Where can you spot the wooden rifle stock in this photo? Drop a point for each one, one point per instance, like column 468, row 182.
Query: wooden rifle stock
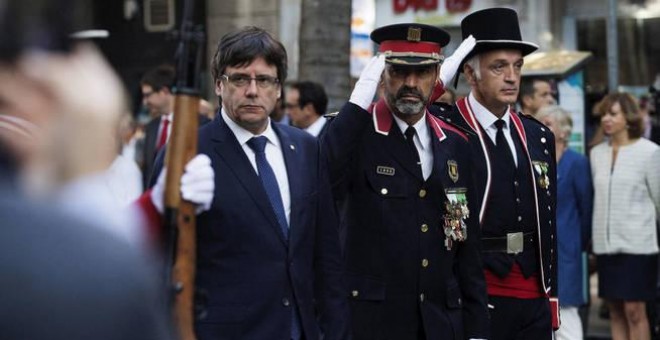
column 180, row 214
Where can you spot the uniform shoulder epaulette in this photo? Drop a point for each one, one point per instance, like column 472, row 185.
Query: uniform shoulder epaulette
column 531, row 118
column 440, row 108
column 449, row 122
column 331, row 115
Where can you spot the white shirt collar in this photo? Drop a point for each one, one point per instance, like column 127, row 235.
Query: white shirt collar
column 421, row 128
column 243, row 135
column 316, row 127
column 168, row 116
column 486, row 118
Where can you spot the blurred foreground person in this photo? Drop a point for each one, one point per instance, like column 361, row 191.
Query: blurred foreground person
column 626, row 205
column 63, row 277
column 574, row 208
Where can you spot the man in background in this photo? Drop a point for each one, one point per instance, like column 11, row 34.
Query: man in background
column 157, row 87
column 534, row 94
column 306, row 103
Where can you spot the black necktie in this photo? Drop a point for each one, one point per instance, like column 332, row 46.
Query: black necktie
column 501, row 145
column 410, row 141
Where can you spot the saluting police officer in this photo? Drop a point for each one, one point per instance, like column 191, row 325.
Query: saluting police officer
column 403, row 180
column 514, row 163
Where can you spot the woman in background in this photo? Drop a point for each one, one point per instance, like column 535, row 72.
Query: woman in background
column 626, row 175
column 574, row 208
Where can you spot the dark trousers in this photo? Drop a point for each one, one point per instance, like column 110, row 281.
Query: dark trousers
column 519, row 319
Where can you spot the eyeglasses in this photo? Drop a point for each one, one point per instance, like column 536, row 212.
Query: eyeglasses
column 290, row 106
column 242, row 80
column 146, row 95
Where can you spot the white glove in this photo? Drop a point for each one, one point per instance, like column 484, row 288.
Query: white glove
column 450, row 65
column 367, row 84
column 197, row 184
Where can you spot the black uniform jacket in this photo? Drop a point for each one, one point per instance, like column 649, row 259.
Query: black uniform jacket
column 402, row 278
column 538, row 144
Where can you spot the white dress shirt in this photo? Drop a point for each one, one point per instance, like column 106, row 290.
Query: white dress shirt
column 487, row 120
column 316, row 127
column 422, row 141
column 274, row 156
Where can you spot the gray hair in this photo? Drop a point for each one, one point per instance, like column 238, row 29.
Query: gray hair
column 561, row 117
column 474, row 64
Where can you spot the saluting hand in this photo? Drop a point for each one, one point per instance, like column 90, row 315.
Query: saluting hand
column 367, row 84
column 450, row 65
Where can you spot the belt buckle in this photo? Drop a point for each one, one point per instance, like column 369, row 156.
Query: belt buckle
column 514, row 243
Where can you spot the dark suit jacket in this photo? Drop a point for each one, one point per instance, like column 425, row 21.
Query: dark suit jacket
column 401, row 277
column 149, row 151
column 539, row 145
column 249, row 271
column 64, row 279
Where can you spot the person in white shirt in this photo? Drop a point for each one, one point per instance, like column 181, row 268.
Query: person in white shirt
column 626, row 204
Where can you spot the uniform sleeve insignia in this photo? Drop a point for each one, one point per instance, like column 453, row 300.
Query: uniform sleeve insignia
column 541, row 169
column 452, row 169
column 456, row 211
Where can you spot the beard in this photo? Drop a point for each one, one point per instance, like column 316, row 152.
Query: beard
column 404, row 106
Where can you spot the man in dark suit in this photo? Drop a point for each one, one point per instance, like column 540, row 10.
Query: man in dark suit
column 306, row 103
column 157, row 96
column 514, row 165
column 409, row 210
column 156, row 86
column 268, row 256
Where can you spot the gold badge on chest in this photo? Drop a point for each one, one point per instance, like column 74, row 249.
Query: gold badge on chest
column 541, row 169
column 452, row 169
column 456, row 211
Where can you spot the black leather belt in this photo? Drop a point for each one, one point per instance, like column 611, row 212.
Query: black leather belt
column 512, row 243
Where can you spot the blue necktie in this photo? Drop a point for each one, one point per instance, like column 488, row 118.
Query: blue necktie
column 269, row 181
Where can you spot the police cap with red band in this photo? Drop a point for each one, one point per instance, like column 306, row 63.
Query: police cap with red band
column 411, row 44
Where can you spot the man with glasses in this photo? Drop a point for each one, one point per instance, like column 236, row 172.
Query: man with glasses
column 157, row 96
column 402, row 178
column 269, row 261
column 306, row 103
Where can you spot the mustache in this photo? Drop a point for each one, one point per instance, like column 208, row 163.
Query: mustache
column 409, row 91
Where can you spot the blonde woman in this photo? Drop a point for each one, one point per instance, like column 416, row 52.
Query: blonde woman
column 625, row 169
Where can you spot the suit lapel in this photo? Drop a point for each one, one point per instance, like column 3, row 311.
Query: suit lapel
column 227, row 148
